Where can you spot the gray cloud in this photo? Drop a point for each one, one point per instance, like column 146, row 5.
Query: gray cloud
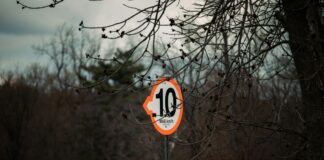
column 14, row 20
column 19, row 29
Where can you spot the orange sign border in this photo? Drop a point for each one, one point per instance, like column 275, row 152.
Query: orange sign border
column 150, row 98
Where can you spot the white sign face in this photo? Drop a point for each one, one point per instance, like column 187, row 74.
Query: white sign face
column 165, row 106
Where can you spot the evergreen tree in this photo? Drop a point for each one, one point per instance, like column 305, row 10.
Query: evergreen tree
column 115, row 74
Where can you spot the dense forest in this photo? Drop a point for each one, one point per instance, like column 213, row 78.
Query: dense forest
column 45, row 114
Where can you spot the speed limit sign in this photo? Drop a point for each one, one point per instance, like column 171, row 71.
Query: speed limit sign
column 165, row 106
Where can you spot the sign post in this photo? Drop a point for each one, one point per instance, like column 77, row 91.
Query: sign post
column 166, row 147
column 165, row 108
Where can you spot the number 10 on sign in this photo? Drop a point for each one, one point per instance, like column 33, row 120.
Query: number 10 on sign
column 165, row 106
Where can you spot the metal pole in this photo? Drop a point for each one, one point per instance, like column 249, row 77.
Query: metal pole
column 166, row 148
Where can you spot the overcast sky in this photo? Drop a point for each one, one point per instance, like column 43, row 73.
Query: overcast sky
column 20, row 29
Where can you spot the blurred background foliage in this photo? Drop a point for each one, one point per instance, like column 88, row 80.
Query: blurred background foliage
column 61, row 111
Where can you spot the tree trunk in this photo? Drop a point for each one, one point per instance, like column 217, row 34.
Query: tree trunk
column 306, row 36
